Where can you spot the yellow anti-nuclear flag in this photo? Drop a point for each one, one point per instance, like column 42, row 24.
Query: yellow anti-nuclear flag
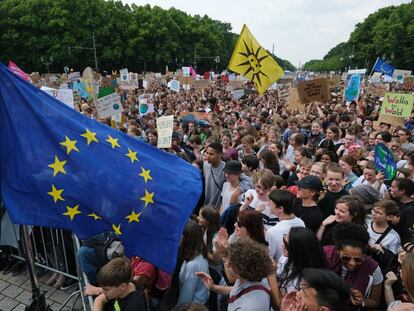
column 254, row 62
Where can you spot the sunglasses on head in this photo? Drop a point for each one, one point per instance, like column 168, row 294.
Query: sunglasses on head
column 346, row 259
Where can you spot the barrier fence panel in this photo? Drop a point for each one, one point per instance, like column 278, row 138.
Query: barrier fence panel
column 55, row 250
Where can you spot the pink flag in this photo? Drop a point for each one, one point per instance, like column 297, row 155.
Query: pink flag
column 17, row 71
column 192, row 72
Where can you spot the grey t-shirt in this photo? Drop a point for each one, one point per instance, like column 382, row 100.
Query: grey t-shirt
column 213, row 183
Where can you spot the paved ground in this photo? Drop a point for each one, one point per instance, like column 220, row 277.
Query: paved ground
column 15, row 293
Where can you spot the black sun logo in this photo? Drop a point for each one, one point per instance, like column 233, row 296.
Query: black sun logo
column 253, row 61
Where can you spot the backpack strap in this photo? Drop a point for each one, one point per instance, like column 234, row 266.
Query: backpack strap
column 383, row 235
column 247, row 290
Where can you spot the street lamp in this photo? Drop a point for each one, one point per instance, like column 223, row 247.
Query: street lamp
column 46, row 62
column 87, row 48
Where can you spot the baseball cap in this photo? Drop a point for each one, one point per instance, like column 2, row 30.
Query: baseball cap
column 310, row 182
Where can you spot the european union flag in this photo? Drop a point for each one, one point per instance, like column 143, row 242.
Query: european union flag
column 382, row 66
column 60, row 169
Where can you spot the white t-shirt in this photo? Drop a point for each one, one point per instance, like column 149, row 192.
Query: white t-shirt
column 281, row 274
column 274, row 236
column 269, row 219
column 362, row 181
column 226, row 193
column 391, row 241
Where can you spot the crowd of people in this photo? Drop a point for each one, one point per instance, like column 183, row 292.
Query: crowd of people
column 294, row 214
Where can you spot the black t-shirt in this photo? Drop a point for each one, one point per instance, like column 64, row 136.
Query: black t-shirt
column 311, row 215
column 403, row 206
column 134, row 301
column 405, row 228
column 327, row 203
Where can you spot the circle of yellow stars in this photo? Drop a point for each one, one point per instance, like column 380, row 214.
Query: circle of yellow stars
column 58, row 166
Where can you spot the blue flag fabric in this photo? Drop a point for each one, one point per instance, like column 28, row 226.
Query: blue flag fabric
column 383, row 67
column 63, row 170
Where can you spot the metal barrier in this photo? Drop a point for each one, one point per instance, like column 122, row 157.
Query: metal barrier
column 55, row 250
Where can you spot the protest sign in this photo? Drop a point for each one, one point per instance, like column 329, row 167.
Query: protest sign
column 186, row 71
column 196, row 116
column 237, row 94
column 201, row 84
column 164, row 130
column 385, row 162
column 352, row 89
column 376, row 77
column 175, row 85
column 399, row 75
column 409, row 83
column 236, row 84
column 186, row 80
column 334, row 81
column 63, row 95
column 397, row 105
column 391, row 120
column 378, row 90
column 124, row 74
column 294, row 102
column 145, row 106
column 128, row 85
column 229, row 88
column 314, row 90
column 108, row 106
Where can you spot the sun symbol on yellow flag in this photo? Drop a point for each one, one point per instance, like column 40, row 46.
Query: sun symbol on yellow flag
column 254, row 62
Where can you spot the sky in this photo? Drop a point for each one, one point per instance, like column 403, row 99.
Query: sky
column 300, row 30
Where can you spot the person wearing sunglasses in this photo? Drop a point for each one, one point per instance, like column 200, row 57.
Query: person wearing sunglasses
column 347, row 259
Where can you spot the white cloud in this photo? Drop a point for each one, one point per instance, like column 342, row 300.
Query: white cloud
column 300, row 29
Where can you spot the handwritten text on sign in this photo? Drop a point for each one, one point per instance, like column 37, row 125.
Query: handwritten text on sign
column 164, row 130
column 311, row 90
column 397, row 105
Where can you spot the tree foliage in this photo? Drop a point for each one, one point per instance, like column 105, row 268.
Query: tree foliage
column 387, row 33
column 137, row 37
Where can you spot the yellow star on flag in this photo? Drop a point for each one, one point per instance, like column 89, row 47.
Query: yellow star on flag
column 90, row 136
column 132, row 155
column 117, row 229
column 56, row 194
column 70, row 145
column 254, row 62
column 71, row 212
column 148, row 197
column 113, row 142
column 58, row 166
column 94, row 216
column 133, row 217
column 145, row 174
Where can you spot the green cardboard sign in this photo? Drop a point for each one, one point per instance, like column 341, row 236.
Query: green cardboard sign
column 397, row 105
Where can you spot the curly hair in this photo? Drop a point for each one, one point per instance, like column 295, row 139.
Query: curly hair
column 350, row 234
column 249, row 259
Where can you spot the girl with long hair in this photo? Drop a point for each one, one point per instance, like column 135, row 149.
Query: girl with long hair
column 301, row 249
